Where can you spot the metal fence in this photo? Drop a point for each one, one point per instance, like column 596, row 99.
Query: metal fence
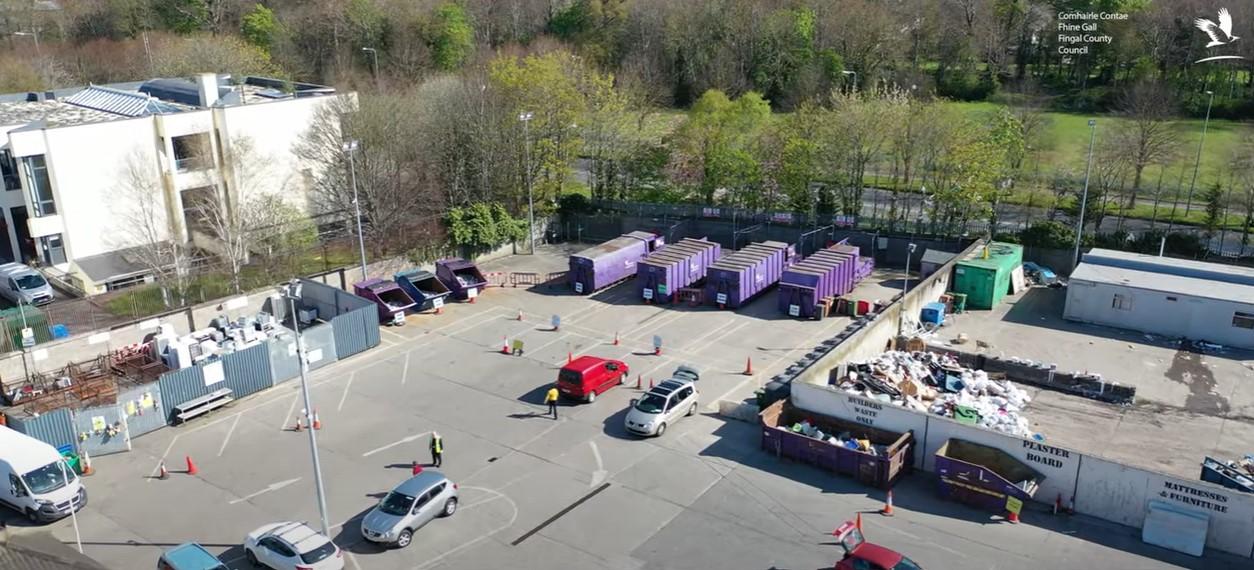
column 101, row 430
column 247, row 371
column 356, row 331
column 55, row 428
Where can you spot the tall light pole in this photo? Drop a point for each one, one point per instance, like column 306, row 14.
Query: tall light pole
column 374, row 67
column 531, row 210
column 1188, row 203
column 349, row 148
column 32, row 34
column 292, row 292
column 1084, row 197
column 905, row 286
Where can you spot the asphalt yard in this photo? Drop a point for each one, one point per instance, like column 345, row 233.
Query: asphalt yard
column 538, row 493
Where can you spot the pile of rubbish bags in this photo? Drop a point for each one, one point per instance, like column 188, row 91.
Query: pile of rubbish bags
column 935, row 383
column 844, row 439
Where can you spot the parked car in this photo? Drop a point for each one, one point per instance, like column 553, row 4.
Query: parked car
column 292, row 546
column 587, row 377
column 662, row 405
column 862, row 555
column 34, row 479
column 189, row 556
column 22, row 285
column 408, row 507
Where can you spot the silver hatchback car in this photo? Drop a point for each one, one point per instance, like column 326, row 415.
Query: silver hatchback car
column 662, row 405
column 408, row 507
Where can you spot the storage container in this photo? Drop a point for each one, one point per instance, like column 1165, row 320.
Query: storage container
column 462, row 278
column 893, row 458
column 599, row 267
column 736, row 278
column 674, row 266
column 982, row 476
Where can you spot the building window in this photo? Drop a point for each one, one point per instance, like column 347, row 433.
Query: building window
column 52, row 249
column 191, row 152
column 1122, row 302
column 8, row 170
column 1243, row 320
column 198, row 209
column 40, row 186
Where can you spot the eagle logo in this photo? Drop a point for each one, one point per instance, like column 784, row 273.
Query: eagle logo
column 1220, row 34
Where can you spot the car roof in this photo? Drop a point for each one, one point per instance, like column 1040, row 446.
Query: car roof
column 419, row 483
column 585, row 363
column 665, row 387
column 301, row 536
column 880, row 556
column 191, row 556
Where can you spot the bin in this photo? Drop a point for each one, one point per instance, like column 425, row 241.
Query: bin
column 880, row 470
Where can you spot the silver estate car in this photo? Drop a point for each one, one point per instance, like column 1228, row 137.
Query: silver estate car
column 408, row 507
column 663, row 405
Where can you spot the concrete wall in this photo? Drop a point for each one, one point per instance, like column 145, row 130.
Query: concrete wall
column 1101, row 488
column 1190, row 317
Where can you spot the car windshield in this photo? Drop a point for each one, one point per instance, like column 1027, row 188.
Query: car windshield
column 322, row 552
column 32, row 281
column 906, row 564
column 47, row 478
column 396, row 504
column 651, row 404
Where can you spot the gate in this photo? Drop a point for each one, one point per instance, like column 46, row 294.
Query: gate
column 101, row 430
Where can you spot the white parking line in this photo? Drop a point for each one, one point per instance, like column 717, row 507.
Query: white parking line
column 227, row 439
column 543, row 346
column 347, row 387
column 487, row 535
column 396, row 443
column 706, row 343
column 395, row 334
column 271, row 487
column 290, row 409
column 405, row 369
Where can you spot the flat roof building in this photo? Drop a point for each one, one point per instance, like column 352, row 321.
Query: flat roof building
column 1165, row 296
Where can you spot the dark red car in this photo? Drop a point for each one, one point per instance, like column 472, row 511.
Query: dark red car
column 862, row 555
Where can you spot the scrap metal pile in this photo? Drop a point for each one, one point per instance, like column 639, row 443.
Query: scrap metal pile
column 936, row 383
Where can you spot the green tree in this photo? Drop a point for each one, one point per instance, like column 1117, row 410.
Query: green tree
column 483, row 227
column 182, row 16
column 1214, row 198
column 452, row 37
column 1048, row 234
column 713, row 147
column 786, row 44
column 259, row 27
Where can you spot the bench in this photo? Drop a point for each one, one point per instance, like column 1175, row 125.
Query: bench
column 202, row 405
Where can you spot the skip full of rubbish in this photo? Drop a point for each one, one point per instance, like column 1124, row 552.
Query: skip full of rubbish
column 935, row 383
column 845, row 439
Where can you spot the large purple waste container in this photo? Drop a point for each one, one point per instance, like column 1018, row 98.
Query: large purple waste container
column 735, row 279
column 462, row 277
column 832, row 272
column 599, row 267
column 673, row 267
column 983, row 476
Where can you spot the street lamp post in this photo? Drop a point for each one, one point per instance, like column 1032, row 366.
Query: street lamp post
column 292, row 292
column 1084, row 197
column 349, row 148
column 1188, row 203
column 531, row 210
column 905, row 286
column 374, row 67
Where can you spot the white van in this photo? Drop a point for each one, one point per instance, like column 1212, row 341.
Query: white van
column 35, row 480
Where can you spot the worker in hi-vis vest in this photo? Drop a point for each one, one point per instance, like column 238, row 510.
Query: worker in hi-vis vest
column 551, row 399
column 437, row 449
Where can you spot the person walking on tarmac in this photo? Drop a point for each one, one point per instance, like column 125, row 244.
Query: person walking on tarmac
column 437, row 449
column 550, row 398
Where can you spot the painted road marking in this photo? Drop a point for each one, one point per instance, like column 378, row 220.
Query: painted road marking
column 560, row 514
column 405, row 369
column 396, row 443
column 547, row 344
column 290, row 409
column 227, row 439
column 272, row 487
column 599, row 475
column 347, row 387
column 490, row 534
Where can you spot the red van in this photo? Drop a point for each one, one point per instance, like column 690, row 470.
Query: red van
column 588, row 376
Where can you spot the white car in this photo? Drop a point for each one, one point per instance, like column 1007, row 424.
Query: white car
column 292, row 546
column 662, row 405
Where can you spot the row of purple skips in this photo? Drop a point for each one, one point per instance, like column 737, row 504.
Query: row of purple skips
column 416, row 290
column 736, row 278
column 829, row 273
column 664, row 272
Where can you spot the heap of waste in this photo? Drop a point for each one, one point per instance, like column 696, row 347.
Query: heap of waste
column 936, row 383
column 844, row 439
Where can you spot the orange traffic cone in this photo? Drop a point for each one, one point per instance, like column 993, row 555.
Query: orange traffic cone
column 317, row 423
column 504, row 345
column 749, row 366
column 888, row 505
column 639, row 381
column 191, row 467
column 439, row 310
column 472, row 300
column 1012, row 517
column 520, row 314
column 615, row 338
column 162, row 472
column 858, row 522
column 87, row 470
column 569, row 358
column 657, row 351
column 650, row 383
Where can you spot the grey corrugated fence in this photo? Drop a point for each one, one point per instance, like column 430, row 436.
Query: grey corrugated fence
column 248, row 371
column 55, row 428
column 356, row 331
column 178, row 386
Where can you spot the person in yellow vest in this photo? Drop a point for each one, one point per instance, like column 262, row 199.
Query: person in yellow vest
column 437, row 449
column 551, row 399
